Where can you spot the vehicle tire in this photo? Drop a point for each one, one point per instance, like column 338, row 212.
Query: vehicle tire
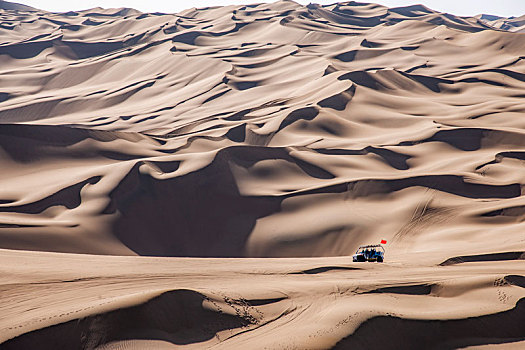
column 380, row 259
column 361, row 258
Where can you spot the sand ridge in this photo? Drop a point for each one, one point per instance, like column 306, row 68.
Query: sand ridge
column 272, row 111
column 88, row 302
column 512, row 24
column 278, row 131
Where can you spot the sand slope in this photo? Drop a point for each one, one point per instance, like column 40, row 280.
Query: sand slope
column 512, row 24
column 221, row 131
column 13, row 6
column 93, row 302
column 273, row 130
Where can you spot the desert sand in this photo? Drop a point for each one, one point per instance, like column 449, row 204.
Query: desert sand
column 201, row 179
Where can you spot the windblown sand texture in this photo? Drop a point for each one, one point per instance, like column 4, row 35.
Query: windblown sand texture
column 513, row 24
column 261, row 131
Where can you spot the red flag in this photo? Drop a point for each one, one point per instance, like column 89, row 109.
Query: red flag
column 383, row 241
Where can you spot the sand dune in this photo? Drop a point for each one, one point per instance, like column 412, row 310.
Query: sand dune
column 13, row 6
column 135, row 126
column 512, row 24
column 98, row 302
column 261, row 131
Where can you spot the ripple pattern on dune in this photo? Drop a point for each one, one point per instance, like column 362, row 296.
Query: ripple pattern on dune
column 500, row 328
column 265, row 130
column 178, row 317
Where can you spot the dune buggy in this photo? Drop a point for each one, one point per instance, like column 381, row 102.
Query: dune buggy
column 374, row 252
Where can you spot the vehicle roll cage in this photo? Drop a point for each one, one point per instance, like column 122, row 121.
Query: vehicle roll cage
column 371, row 246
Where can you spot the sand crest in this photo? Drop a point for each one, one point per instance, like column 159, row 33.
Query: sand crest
column 268, row 142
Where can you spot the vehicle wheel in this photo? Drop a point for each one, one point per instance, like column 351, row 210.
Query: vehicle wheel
column 379, row 259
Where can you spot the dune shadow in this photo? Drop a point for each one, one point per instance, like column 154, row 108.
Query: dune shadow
column 472, row 139
column 362, row 78
column 198, row 214
column 484, row 257
column 338, row 101
column 306, row 113
column 417, row 289
column 237, row 134
column 515, row 280
column 178, row 317
column 68, row 197
column 4, row 96
column 445, row 183
column 515, row 211
column 411, row 10
column 388, row 332
column 323, row 269
column 25, row 50
column 502, row 155
column 394, row 159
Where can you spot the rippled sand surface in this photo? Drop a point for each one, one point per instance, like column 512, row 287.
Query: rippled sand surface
column 266, row 142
